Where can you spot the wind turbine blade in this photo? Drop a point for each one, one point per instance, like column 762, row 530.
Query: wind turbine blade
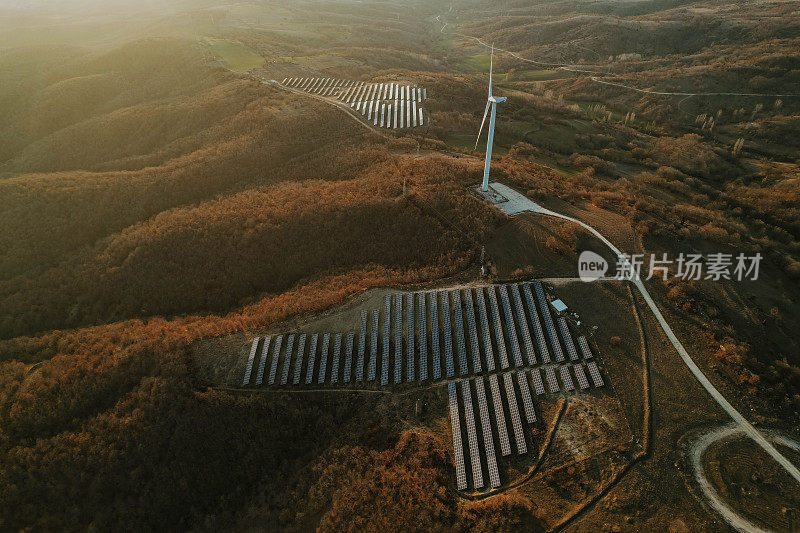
column 482, row 123
column 491, row 64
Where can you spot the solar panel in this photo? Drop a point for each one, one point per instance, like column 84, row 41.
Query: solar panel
column 248, row 369
column 410, row 336
column 486, row 429
column 538, row 332
column 472, row 436
column 538, row 386
column 337, row 354
column 513, row 408
column 263, row 363
column 544, row 306
column 298, row 365
column 487, row 340
column 458, row 448
column 512, row 331
column 323, row 359
column 423, row 337
column 462, row 348
column 362, row 346
column 583, row 383
column 527, row 401
column 472, row 331
column 348, row 357
column 584, row 345
column 387, row 313
column 437, row 358
column 566, row 336
column 398, row 338
column 373, row 346
column 499, row 415
column 522, row 322
column 594, row 373
column 276, row 351
column 552, row 381
column 312, row 356
column 498, row 327
column 287, row 360
column 566, row 378
column 447, row 332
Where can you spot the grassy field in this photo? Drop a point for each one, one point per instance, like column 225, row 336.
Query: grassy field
column 234, row 55
column 537, row 75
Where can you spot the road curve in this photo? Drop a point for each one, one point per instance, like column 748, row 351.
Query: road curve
column 746, row 426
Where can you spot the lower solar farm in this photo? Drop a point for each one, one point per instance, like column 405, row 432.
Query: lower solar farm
column 520, row 395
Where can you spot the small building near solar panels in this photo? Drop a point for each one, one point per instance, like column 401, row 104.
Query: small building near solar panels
column 558, row 305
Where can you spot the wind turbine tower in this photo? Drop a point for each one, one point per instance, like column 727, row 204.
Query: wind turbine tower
column 492, row 101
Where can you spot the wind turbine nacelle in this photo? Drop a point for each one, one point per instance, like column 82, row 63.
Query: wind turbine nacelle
column 497, row 99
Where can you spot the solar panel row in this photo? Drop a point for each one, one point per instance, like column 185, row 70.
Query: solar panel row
column 287, row 360
column 458, row 448
column 472, row 332
column 373, row 348
column 544, row 307
column 298, row 366
column 398, row 338
column 488, row 352
column 447, row 332
column 584, row 345
column 594, row 373
column 566, row 378
column 486, row 429
column 387, row 311
column 472, row 435
column 312, row 356
column 248, row 369
column 437, row 358
column 323, row 358
column 513, row 409
column 263, row 363
column 510, row 328
column 423, row 337
column 522, row 322
column 498, row 327
column 362, row 346
column 337, row 353
column 460, row 344
column 538, row 332
column 566, row 336
column 499, row 415
column 410, row 337
column 348, row 357
column 527, row 400
column 276, row 351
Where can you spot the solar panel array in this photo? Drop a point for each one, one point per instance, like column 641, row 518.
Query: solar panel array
column 584, row 345
column 323, row 358
column 249, row 368
column 337, row 354
column 498, row 327
column 263, row 363
column 410, row 337
column 522, row 322
column 487, row 338
column 348, row 357
column 511, row 316
column 460, row 344
column 513, row 409
column 486, row 429
column 458, row 448
column 566, row 336
column 544, row 306
column 287, row 360
column 499, row 415
column 472, row 332
column 423, row 338
column 437, row 358
column 362, row 346
column 594, row 373
column 538, row 332
column 448, row 338
column 583, row 383
column 472, row 436
column 312, row 356
column 276, row 351
column 298, row 365
column 373, row 348
column 387, row 311
column 386, row 105
column 398, row 338
column 510, row 328
column 566, row 378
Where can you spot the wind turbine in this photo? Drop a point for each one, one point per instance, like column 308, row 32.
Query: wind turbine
column 492, row 101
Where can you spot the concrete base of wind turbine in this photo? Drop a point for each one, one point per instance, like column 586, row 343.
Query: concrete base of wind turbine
column 491, row 196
